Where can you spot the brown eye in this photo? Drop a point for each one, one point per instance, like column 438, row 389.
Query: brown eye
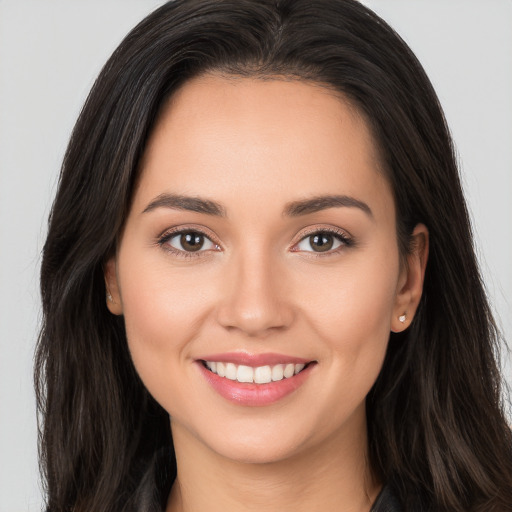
column 321, row 242
column 190, row 241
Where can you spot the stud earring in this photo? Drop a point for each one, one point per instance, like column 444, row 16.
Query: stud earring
column 109, row 297
column 402, row 318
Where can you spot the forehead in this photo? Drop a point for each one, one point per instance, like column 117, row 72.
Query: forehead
column 286, row 139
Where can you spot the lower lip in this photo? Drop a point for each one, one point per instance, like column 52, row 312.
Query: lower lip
column 245, row 393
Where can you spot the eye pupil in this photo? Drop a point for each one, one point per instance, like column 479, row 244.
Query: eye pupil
column 321, row 242
column 192, row 241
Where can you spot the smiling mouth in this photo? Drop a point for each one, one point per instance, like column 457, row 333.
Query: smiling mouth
column 258, row 375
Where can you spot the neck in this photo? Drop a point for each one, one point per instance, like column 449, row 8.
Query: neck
column 314, row 479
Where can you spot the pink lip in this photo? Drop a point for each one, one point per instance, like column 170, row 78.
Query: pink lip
column 254, row 360
column 250, row 394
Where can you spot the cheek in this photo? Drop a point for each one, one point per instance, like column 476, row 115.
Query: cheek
column 163, row 310
column 357, row 297
column 351, row 309
column 162, row 301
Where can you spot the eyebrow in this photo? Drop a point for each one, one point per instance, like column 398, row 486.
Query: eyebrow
column 318, row 203
column 292, row 209
column 181, row 202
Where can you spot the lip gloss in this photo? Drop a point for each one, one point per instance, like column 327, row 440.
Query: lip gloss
column 251, row 394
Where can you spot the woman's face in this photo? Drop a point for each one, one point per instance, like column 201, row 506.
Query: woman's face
column 261, row 236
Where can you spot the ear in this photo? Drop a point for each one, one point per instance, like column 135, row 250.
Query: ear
column 113, row 296
column 410, row 282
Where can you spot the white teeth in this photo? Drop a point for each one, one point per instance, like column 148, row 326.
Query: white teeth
column 299, row 367
column 262, row 375
column 230, row 371
column 277, row 372
column 221, row 369
column 258, row 375
column 245, row 374
column 289, row 370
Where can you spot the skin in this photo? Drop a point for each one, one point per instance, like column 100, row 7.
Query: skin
column 255, row 146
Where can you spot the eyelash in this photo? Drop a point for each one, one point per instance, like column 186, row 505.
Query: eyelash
column 169, row 235
column 341, row 236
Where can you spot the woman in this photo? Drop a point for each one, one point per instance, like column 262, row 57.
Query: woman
column 259, row 286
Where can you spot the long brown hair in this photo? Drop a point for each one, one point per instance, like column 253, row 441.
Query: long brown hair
column 437, row 430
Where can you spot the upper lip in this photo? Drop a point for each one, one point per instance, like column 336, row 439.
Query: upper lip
column 254, row 360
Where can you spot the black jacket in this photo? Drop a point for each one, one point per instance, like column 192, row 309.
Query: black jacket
column 386, row 502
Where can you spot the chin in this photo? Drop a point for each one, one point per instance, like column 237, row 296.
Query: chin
column 254, row 448
column 244, row 453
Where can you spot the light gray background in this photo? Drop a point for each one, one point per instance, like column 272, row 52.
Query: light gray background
column 50, row 53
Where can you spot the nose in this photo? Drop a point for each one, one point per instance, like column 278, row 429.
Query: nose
column 255, row 298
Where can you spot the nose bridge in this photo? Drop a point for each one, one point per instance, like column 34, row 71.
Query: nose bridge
column 253, row 299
